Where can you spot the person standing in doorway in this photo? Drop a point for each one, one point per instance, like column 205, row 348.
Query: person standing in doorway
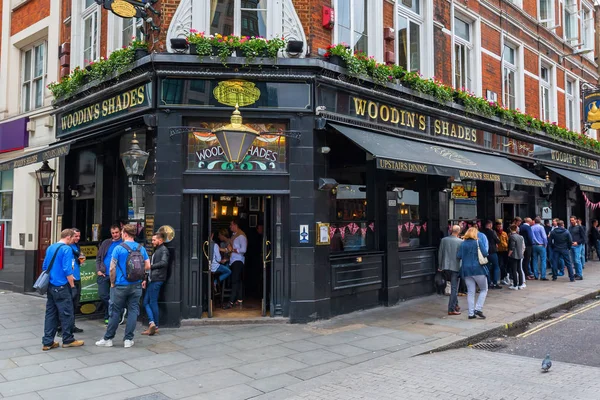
column 220, row 262
column 102, row 267
column 78, row 260
column 61, row 292
column 473, row 273
column 578, row 234
column 237, row 248
column 540, row 241
column 127, row 265
column 450, row 264
column 155, row 278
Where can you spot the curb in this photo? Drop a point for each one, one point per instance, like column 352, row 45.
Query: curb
column 512, row 325
column 234, row 321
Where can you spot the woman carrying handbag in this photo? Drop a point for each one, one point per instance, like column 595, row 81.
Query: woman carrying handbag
column 473, row 271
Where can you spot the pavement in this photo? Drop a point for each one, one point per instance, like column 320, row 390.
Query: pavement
column 271, row 361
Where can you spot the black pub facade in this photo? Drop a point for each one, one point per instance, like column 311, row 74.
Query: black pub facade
column 343, row 188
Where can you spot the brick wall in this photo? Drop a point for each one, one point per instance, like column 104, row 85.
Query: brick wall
column 29, row 14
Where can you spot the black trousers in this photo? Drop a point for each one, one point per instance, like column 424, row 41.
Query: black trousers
column 527, row 261
column 76, row 299
column 236, row 281
column 515, row 275
column 503, row 261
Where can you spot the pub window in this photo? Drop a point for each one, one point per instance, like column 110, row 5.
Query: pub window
column 350, row 230
column 409, row 219
column 409, row 31
column 487, row 140
column 509, row 77
column 463, row 54
column 352, row 23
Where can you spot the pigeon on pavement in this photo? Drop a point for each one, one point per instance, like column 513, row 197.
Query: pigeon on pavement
column 546, row 363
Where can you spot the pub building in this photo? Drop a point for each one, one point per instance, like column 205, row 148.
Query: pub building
column 343, row 188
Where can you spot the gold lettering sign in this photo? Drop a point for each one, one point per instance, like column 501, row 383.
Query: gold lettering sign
column 390, row 114
column 89, row 251
column 480, row 176
column 395, row 165
column 236, row 91
column 123, row 9
column 451, row 129
column 573, row 159
column 105, row 109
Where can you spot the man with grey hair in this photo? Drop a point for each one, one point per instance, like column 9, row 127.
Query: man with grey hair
column 450, row 264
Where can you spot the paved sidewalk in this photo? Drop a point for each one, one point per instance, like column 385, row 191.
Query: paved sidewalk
column 258, row 361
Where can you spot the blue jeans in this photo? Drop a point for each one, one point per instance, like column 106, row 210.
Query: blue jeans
column 576, row 253
column 59, row 309
column 151, row 301
column 124, row 296
column 539, row 261
column 561, row 256
column 494, row 268
column 104, row 292
column 454, row 281
column 583, row 253
column 224, row 272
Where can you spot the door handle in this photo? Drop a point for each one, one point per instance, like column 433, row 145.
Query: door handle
column 205, row 249
column 267, row 245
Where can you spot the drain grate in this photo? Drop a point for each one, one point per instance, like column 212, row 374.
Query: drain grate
column 488, row 346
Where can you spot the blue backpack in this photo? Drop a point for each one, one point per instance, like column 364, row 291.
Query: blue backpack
column 134, row 266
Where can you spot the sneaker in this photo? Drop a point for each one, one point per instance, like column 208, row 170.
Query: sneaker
column 124, row 317
column 104, row 343
column 522, row 287
column 52, row 346
column 544, row 279
column 472, row 316
column 513, row 288
column 128, row 343
column 77, row 330
column 74, row 343
column 479, row 314
column 506, row 281
column 579, row 278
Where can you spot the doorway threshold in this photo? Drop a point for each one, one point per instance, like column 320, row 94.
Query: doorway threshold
column 234, row 321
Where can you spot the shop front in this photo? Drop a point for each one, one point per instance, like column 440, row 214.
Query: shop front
column 343, row 192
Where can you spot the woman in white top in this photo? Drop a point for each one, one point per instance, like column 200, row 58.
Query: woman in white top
column 220, row 262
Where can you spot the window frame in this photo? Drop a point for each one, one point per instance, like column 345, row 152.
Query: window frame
column 90, row 12
column 574, row 98
column 549, row 86
column 587, row 30
column 419, row 20
column 7, row 232
column 116, row 29
column 470, row 47
column 549, row 22
column 33, row 78
column 511, row 67
column 573, row 17
column 373, row 20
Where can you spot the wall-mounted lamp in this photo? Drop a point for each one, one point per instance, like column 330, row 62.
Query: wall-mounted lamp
column 469, row 185
column 399, row 191
column 235, row 211
column 548, row 186
column 324, row 150
column 506, row 187
column 179, row 45
column 224, row 210
column 45, row 176
column 327, row 184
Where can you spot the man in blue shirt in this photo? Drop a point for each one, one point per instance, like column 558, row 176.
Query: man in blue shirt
column 78, row 259
column 103, row 266
column 125, row 294
column 61, row 292
column 540, row 241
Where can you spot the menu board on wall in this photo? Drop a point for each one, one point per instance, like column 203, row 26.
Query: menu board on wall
column 149, row 226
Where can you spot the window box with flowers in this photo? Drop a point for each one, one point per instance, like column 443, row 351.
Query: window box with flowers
column 339, row 54
column 200, row 43
column 140, row 48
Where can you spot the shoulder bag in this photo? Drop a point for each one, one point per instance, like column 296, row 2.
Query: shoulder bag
column 482, row 260
column 43, row 281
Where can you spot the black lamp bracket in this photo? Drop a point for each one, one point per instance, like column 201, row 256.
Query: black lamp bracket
column 180, row 130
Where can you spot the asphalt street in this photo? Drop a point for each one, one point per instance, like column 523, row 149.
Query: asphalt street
column 569, row 336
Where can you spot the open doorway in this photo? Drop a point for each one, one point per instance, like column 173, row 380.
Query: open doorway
column 252, row 216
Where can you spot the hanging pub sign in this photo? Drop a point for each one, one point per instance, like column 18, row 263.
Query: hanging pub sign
column 128, row 8
column 591, row 108
column 132, row 100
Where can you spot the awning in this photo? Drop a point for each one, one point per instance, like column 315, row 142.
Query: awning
column 399, row 154
column 44, row 154
column 586, row 182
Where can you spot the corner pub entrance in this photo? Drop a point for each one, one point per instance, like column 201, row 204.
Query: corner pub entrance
column 259, row 217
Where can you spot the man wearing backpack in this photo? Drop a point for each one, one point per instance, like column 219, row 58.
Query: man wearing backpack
column 128, row 266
